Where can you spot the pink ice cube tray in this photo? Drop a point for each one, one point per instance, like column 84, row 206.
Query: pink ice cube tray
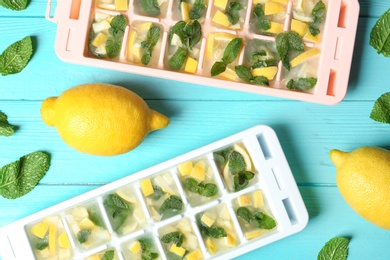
column 330, row 66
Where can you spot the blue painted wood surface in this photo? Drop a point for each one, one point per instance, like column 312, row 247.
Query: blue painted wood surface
column 200, row 115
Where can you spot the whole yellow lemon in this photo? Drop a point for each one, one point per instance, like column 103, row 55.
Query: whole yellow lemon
column 101, row 119
column 363, row 178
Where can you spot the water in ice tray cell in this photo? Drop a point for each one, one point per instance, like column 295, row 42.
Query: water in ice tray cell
column 151, row 8
column 229, row 14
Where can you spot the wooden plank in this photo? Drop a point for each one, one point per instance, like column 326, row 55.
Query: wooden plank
column 49, row 76
column 329, row 216
column 307, row 133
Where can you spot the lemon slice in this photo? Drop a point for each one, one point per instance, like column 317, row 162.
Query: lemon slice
column 299, row 27
column 229, row 74
column 185, row 11
column 221, row 19
column 143, row 26
column 130, row 44
column 275, row 27
column 210, row 45
column 305, row 56
column 121, row 5
column 302, row 17
column 248, row 162
column 268, row 72
column 272, row 8
column 223, row 36
column 311, row 38
column 221, row 4
column 227, row 176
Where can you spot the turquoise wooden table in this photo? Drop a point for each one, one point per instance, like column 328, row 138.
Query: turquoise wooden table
column 200, row 115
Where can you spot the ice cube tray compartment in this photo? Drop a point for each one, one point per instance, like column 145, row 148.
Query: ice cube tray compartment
column 331, row 67
column 125, row 202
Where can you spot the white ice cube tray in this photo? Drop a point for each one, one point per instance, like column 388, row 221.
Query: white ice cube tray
column 272, row 176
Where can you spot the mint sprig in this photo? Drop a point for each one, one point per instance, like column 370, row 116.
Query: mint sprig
column 116, row 31
column 108, row 255
column 380, row 34
column 229, row 55
column 232, row 12
column 20, row 177
column 381, row 110
column 189, row 34
column 172, row 205
column 334, row 249
column 257, row 219
column 147, row 249
column 16, row 5
column 83, row 235
column 118, row 210
column 16, row 56
column 317, row 14
column 197, row 9
column 258, row 18
column 287, row 42
column 203, row 189
column 6, row 129
column 302, row 84
column 175, row 237
column 152, row 38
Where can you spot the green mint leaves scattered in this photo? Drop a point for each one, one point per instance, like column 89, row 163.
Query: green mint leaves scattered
column 151, row 7
column 190, row 35
column 381, row 109
column 151, row 40
column 6, row 129
column 229, row 55
column 302, row 84
column 257, row 219
column 108, row 255
column 245, row 75
column 287, row 42
column 232, row 12
column 16, row 56
column 258, row 18
column 334, row 249
column 16, row 5
column 116, row 31
column 380, row 35
column 203, row 189
column 317, row 14
column 173, row 237
column 20, row 177
column 172, row 205
column 118, row 210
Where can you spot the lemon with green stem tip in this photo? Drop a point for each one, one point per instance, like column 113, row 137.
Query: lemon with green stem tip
column 363, row 178
column 101, row 119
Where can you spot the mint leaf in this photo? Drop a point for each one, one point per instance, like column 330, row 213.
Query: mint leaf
column 334, row 249
column 286, row 42
column 260, row 80
column 317, row 14
column 178, row 29
column 197, row 9
column 380, row 34
column 151, row 7
column 15, row 5
column 16, row 56
column 243, row 73
column 194, row 33
column 240, row 182
column 258, row 18
column 236, row 163
column 6, row 129
column 158, row 192
column 109, row 255
column 177, row 60
column 232, row 50
column 256, row 219
column 95, row 217
column 118, row 210
column 152, row 38
column 213, row 231
column 381, row 109
column 173, row 237
column 113, row 47
column 301, row 84
column 83, row 235
column 232, row 12
column 118, row 26
column 146, row 248
column 173, row 204
column 203, row 189
column 217, row 68
column 20, row 177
